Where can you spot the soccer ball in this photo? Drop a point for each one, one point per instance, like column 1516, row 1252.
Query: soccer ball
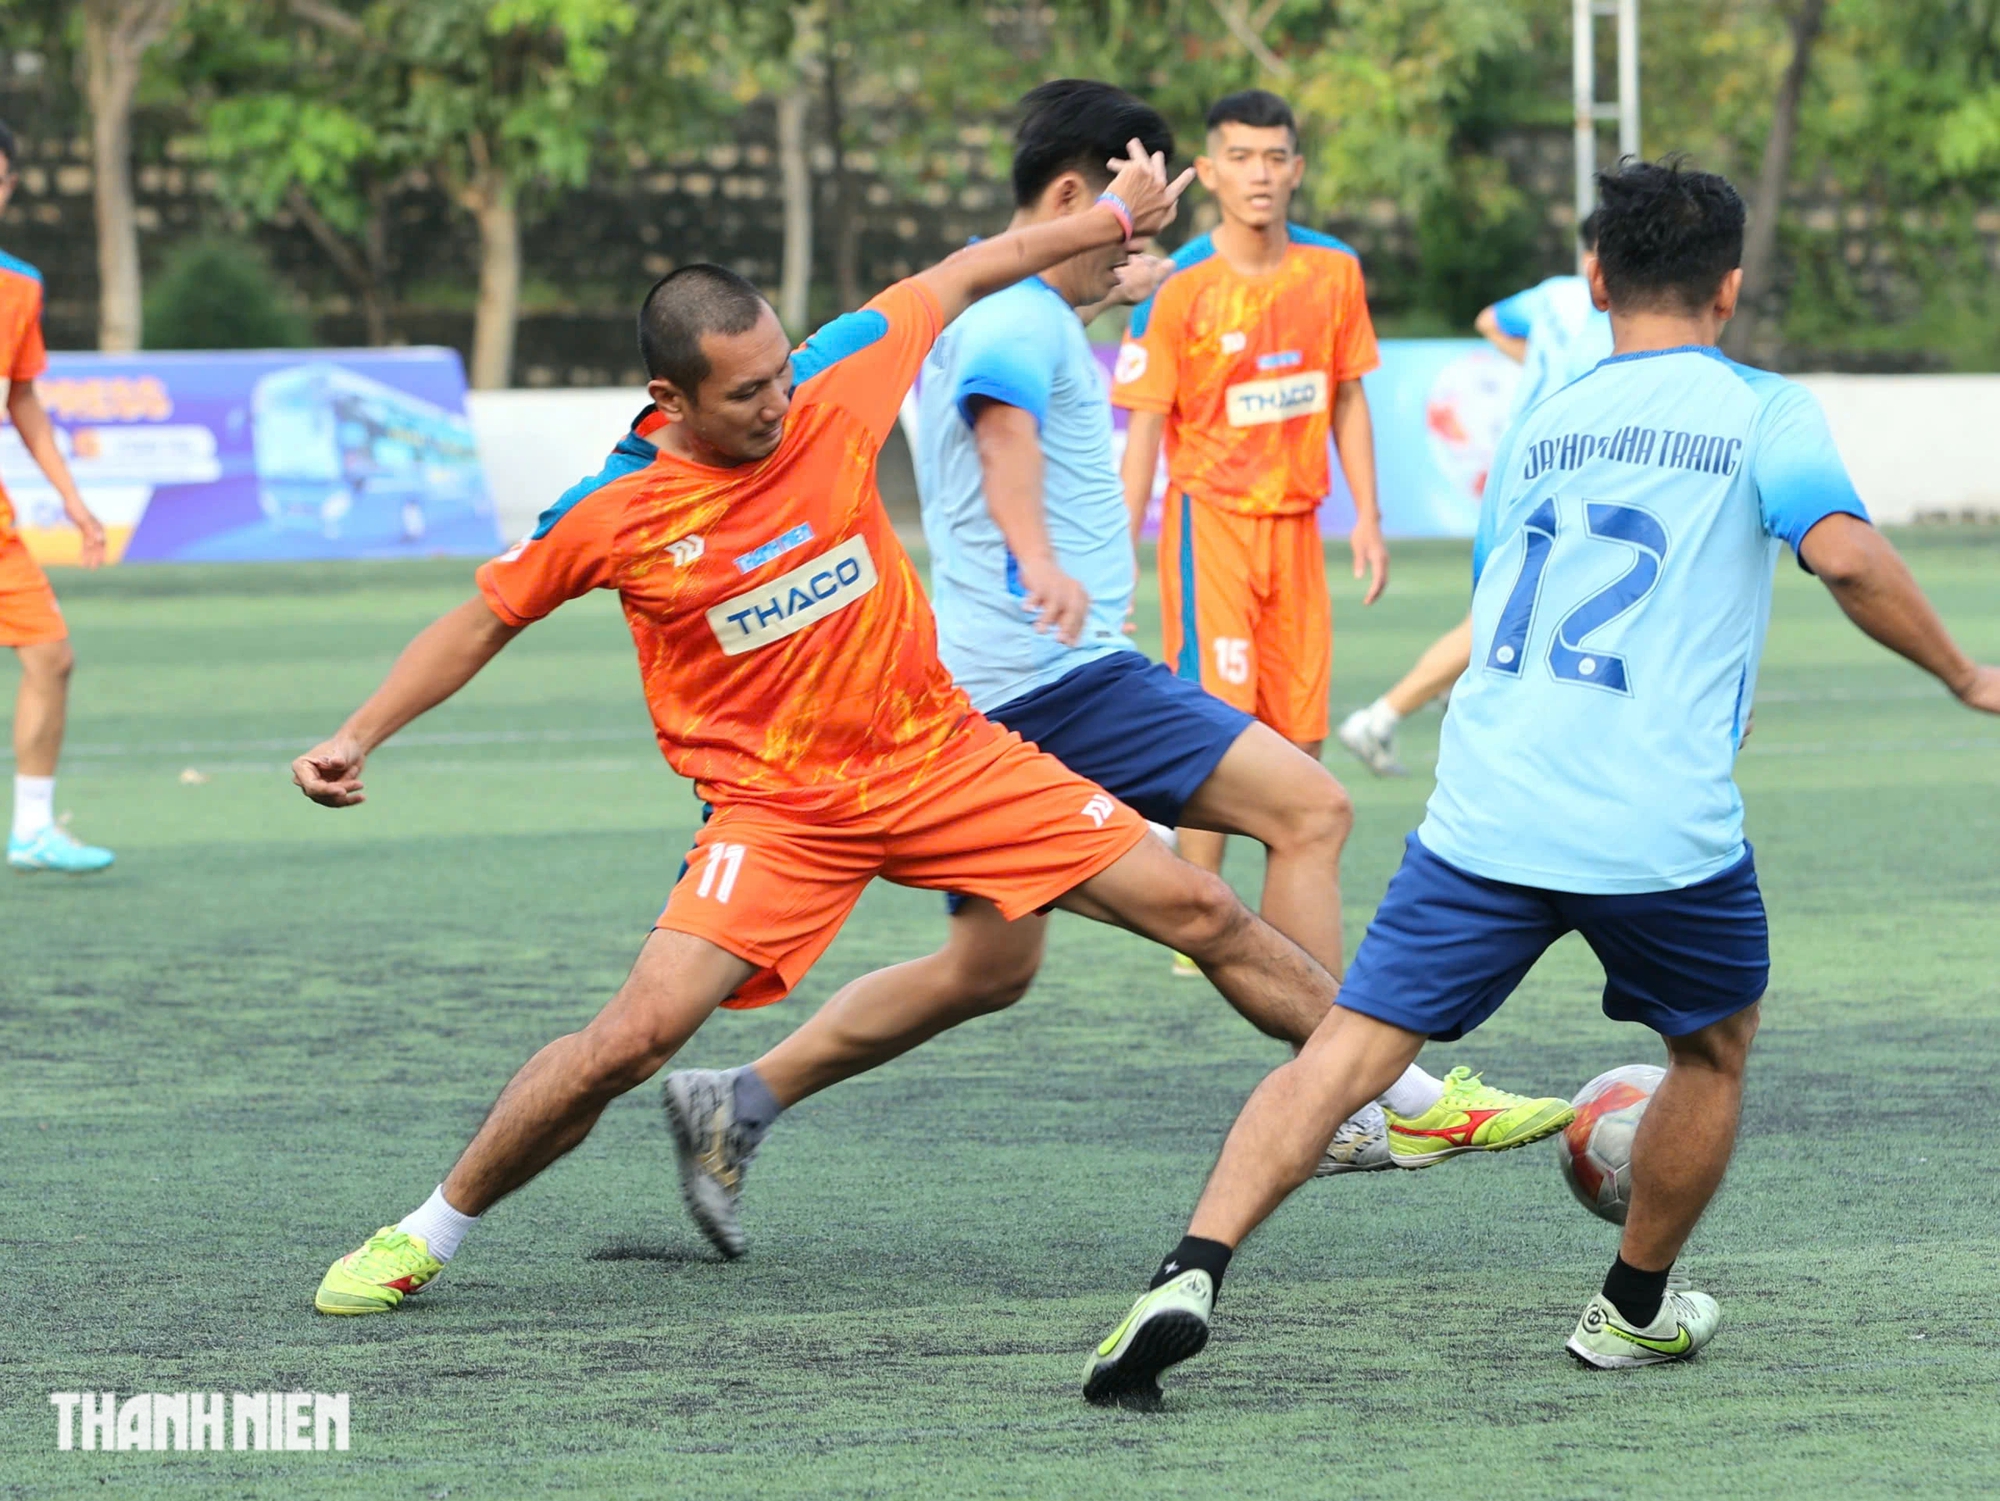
column 1595, row 1149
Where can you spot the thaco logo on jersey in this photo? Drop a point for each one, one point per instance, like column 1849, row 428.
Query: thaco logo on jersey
column 1253, row 402
column 792, row 601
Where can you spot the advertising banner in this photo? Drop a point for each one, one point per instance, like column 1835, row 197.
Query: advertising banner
column 1439, row 407
column 259, row 456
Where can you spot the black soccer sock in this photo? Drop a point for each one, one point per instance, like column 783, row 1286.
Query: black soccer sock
column 1194, row 1254
column 1635, row 1294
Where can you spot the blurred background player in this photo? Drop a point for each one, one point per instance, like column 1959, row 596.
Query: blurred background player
column 1556, row 333
column 1585, row 782
column 1032, row 569
column 1243, row 363
column 30, row 620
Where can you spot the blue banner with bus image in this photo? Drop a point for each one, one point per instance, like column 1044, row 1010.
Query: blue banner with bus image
column 259, row 456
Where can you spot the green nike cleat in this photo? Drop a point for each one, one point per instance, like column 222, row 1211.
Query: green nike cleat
column 388, row 1267
column 1473, row 1117
column 1687, row 1320
column 1166, row 1326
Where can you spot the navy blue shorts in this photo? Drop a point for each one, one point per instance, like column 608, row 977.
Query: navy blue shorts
column 1447, row 947
column 1148, row 738
column 1145, row 736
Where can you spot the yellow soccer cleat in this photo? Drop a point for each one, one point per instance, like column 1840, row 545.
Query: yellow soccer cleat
column 1472, row 1117
column 389, row 1266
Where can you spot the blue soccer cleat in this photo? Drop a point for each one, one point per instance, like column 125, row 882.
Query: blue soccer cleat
column 54, row 850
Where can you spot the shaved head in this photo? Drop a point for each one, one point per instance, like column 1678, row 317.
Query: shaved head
column 683, row 306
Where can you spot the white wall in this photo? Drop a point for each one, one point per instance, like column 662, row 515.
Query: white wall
column 1916, row 444
column 536, row 444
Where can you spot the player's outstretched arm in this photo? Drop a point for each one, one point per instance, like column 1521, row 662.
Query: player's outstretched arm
column 445, row 656
column 1140, row 184
column 1871, row 583
column 38, row 436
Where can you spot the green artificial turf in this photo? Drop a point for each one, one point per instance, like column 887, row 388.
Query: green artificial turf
column 272, row 1026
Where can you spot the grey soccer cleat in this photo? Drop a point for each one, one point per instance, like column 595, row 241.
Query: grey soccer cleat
column 1361, row 1145
column 711, row 1151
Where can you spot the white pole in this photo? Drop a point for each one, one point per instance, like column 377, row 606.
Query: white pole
column 1628, row 77
column 1583, row 93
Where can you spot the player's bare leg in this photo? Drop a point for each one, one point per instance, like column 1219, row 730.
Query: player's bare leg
column 986, row 964
column 547, row 1108
column 1678, row 1158
column 1444, row 661
column 41, row 706
column 1277, row 986
column 1685, row 1139
column 1205, row 845
column 1288, row 1120
column 551, row 1104
column 1264, row 788
column 36, row 841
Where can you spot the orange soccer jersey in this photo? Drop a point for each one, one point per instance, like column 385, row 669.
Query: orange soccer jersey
column 784, row 640
column 790, row 663
column 22, row 356
column 1244, row 369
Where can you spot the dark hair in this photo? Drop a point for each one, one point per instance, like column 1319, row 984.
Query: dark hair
column 1258, row 108
column 1077, row 125
column 1586, row 232
column 1666, row 236
column 681, row 307
column 7, row 148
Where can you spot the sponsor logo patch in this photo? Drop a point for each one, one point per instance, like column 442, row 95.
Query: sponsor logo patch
column 1098, row 809
column 792, row 601
column 686, row 550
column 1284, row 359
column 1253, row 402
column 1234, row 343
column 777, row 547
column 1131, row 363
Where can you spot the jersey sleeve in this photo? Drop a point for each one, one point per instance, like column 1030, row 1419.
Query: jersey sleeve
column 1147, row 374
column 570, row 552
column 1003, row 357
column 864, row 362
column 1516, row 315
column 1354, row 348
column 1797, row 470
column 30, row 356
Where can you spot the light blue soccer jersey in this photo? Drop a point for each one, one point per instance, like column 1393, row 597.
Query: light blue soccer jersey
column 1622, row 585
column 1566, row 335
column 1025, row 347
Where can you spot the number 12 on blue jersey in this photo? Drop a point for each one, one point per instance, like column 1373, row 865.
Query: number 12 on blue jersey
column 1569, row 660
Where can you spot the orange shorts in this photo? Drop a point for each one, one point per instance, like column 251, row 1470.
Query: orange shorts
column 1245, row 610
column 29, row 615
column 990, row 816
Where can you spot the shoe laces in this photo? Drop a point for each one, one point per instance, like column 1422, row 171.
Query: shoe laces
column 390, row 1252
column 1463, row 1087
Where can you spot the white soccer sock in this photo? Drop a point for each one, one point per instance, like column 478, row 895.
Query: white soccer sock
column 1413, row 1094
column 34, row 805
column 441, row 1226
column 1383, row 719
